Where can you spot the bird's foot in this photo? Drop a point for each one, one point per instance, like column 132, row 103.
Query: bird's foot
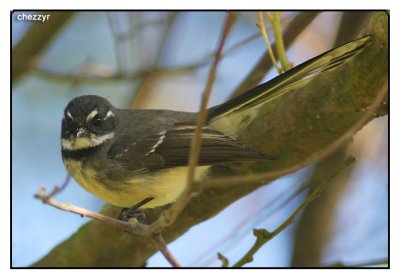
column 128, row 213
column 134, row 212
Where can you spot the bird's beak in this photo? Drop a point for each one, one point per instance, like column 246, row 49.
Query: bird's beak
column 82, row 132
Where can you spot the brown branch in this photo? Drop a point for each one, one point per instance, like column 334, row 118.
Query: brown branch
column 355, row 20
column 26, row 52
column 141, row 91
column 132, row 226
column 41, row 195
column 118, row 57
column 263, row 236
column 58, row 189
column 370, row 263
column 202, row 115
column 257, row 178
column 225, row 261
column 87, row 77
column 137, row 28
column 314, row 229
column 159, row 242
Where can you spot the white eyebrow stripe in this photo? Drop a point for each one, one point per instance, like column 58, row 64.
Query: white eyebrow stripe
column 91, row 115
column 109, row 114
column 69, row 115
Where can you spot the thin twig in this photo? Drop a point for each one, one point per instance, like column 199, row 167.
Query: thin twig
column 293, row 30
column 46, row 199
column 169, row 216
column 132, row 226
column 84, row 77
column 263, row 236
column 58, row 189
column 383, row 261
column 261, row 26
column 270, row 17
column 141, row 90
column 166, row 35
column 118, row 57
column 275, row 205
column 136, row 28
column 279, row 45
column 201, row 118
column 88, row 77
column 159, row 242
column 225, row 261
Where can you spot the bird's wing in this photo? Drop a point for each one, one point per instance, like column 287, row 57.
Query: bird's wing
column 171, row 148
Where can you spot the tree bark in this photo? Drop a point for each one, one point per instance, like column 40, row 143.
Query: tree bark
column 315, row 225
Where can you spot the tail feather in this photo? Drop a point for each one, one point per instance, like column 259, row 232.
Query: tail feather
column 294, row 78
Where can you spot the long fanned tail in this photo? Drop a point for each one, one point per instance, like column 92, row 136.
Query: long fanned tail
column 291, row 79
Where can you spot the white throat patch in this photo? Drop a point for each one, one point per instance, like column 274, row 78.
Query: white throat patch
column 74, row 144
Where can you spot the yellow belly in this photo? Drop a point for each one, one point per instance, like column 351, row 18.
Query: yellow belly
column 166, row 189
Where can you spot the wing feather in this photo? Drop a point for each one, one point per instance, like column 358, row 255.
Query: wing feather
column 171, row 148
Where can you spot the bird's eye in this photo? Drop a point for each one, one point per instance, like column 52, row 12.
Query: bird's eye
column 68, row 123
column 97, row 121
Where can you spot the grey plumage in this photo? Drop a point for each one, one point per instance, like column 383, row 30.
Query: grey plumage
column 124, row 156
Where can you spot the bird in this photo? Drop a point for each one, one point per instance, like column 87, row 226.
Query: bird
column 137, row 158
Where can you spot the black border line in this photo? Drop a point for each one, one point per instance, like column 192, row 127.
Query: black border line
column 200, row 10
